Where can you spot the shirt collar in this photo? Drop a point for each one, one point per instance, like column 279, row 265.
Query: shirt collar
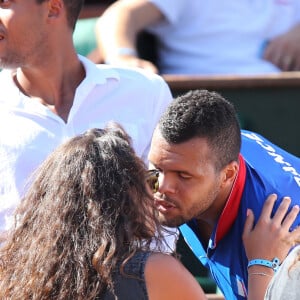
column 231, row 208
column 98, row 73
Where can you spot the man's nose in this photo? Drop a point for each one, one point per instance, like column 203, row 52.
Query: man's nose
column 166, row 184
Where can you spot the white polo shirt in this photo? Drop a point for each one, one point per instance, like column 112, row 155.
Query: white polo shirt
column 29, row 131
column 220, row 36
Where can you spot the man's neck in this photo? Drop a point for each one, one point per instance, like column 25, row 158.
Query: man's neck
column 204, row 230
column 54, row 89
column 208, row 220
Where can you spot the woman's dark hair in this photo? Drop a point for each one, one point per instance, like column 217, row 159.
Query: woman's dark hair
column 87, row 210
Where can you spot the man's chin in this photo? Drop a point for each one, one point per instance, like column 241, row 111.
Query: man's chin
column 170, row 222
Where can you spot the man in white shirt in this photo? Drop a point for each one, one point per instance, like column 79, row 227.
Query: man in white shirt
column 204, row 37
column 48, row 93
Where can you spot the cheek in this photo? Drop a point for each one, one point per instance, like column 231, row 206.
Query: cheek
column 202, row 194
column 188, row 196
column 19, row 33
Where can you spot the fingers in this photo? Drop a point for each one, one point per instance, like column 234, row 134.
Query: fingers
column 273, row 231
column 273, row 53
column 296, row 64
column 285, row 62
column 281, row 217
column 283, row 59
column 282, row 210
column 268, row 207
column 291, row 217
column 249, row 222
column 283, row 53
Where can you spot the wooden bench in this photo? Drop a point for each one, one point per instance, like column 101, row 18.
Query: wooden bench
column 267, row 104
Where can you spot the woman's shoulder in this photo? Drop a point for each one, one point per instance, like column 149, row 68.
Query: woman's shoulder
column 166, row 278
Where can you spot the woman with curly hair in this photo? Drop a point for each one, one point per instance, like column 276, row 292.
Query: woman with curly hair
column 85, row 229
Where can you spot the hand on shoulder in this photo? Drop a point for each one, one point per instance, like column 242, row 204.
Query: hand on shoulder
column 271, row 236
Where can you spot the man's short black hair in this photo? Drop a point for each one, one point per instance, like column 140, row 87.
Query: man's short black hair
column 204, row 114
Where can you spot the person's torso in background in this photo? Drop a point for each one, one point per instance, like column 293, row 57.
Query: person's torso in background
column 208, row 37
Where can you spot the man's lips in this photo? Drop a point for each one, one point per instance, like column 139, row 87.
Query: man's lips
column 163, row 206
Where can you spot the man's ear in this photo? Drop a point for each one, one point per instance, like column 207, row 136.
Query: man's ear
column 229, row 173
column 54, row 8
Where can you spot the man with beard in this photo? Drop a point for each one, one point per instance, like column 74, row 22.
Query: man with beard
column 49, row 93
column 210, row 172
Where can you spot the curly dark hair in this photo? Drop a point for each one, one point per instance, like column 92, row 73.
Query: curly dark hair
column 87, row 211
column 204, row 114
column 73, row 8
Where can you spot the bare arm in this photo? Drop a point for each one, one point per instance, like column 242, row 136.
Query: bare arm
column 118, row 28
column 168, row 279
column 284, row 50
column 269, row 238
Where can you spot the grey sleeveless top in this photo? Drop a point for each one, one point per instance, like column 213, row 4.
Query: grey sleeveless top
column 128, row 288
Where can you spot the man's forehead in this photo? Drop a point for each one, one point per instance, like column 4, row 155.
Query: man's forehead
column 193, row 151
column 159, row 146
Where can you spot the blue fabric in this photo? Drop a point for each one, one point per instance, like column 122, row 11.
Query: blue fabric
column 269, row 169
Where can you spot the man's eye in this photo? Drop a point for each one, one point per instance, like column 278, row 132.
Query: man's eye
column 184, row 176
